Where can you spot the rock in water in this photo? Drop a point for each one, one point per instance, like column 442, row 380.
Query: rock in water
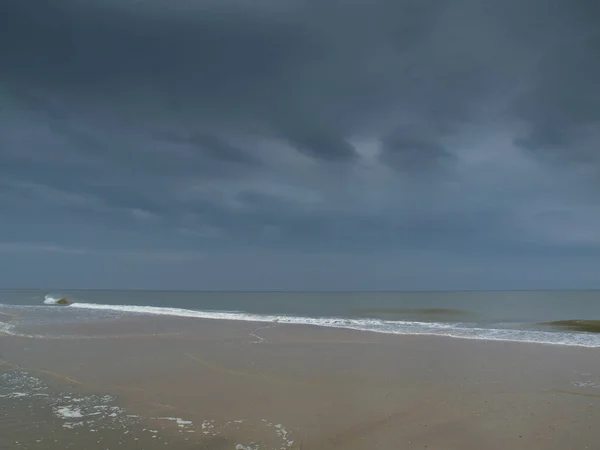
column 49, row 300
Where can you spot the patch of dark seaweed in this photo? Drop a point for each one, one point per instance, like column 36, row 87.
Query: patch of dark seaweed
column 587, row 326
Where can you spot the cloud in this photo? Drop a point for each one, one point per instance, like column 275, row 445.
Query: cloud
column 376, row 131
column 307, row 74
column 321, row 144
column 562, row 106
column 31, row 247
column 403, row 150
column 213, row 146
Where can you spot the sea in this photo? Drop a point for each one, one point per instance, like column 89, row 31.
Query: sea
column 546, row 317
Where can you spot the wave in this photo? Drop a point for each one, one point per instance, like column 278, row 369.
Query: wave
column 52, row 300
column 372, row 325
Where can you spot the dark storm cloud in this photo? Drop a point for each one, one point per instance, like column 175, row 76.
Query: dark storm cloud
column 321, row 144
column 562, row 108
column 199, row 126
column 310, row 72
column 212, row 145
column 407, row 151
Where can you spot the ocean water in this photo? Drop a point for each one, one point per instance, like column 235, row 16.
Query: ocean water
column 509, row 316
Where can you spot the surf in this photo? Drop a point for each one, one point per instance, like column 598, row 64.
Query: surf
column 56, row 300
column 454, row 330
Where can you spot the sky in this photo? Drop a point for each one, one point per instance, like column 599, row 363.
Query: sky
column 300, row 144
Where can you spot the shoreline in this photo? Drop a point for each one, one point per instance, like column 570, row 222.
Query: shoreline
column 560, row 336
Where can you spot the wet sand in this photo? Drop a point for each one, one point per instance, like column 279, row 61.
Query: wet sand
column 269, row 386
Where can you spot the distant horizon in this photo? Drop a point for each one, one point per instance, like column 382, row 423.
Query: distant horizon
column 299, row 291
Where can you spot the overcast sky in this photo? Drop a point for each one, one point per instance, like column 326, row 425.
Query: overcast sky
column 300, row 144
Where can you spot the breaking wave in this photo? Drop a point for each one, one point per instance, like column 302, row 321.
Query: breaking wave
column 52, row 299
column 373, row 325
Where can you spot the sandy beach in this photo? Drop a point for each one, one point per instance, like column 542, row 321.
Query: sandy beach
column 243, row 385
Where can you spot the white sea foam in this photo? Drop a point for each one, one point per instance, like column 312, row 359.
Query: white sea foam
column 586, row 384
column 11, row 330
column 6, row 328
column 71, row 425
column 281, row 432
column 15, row 395
column 50, row 300
column 68, row 412
column 181, row 423
column 252, row 446
column 373, row 325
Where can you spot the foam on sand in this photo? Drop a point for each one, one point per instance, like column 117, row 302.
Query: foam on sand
column 374, row 325
column 6, row 328
column 181, row 423
column 68, row 412
column 81, row 414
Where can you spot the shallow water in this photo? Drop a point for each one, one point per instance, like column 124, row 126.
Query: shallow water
column 517, row 316
column 36, row 415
